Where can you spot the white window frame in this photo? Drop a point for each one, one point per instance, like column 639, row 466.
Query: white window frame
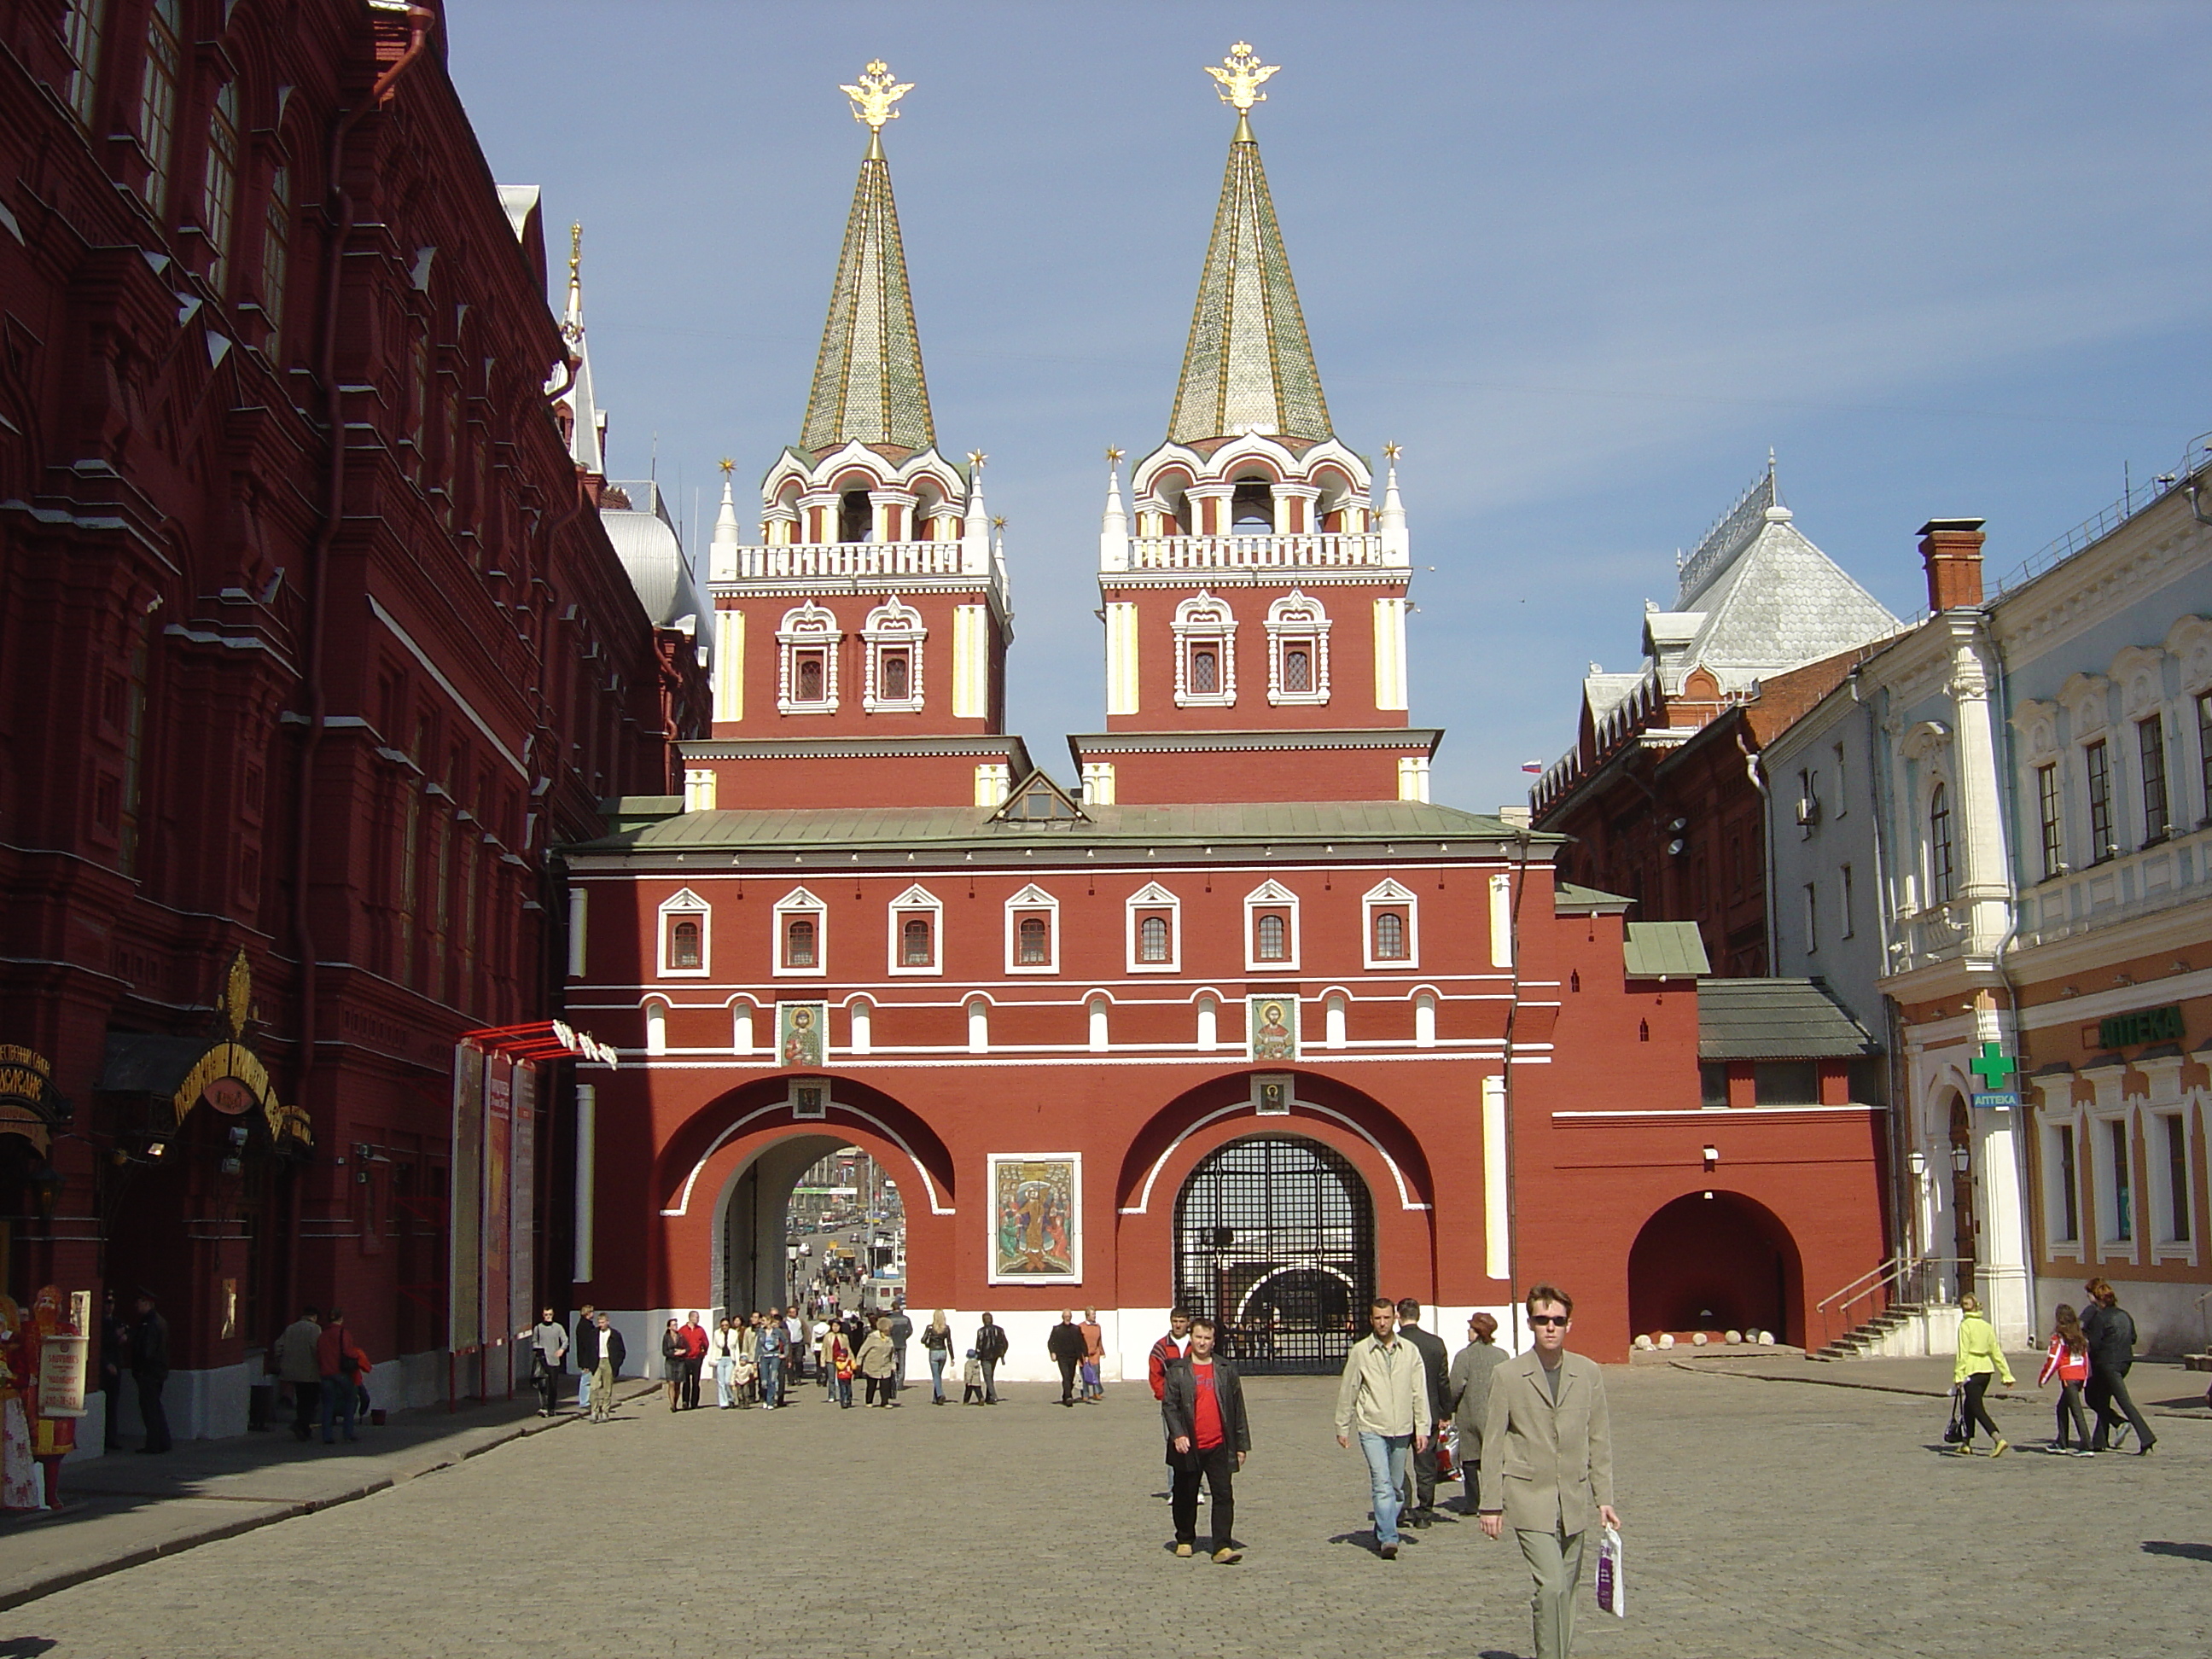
column 1201, row 619
column 1150, row 899
column 2164, row 1246
column 893, row 624
column 1270, row 896
column 1390, row 896
column 2109, row 1246
column 1293, row 617
column 688, row 906
column 800, row 902
column 804, row 627
column 916, row 901
column 1030, row 899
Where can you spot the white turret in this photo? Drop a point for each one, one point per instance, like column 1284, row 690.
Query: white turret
column 588, row 424
column 1114, row 524
column 1396, row 549
column 722, row 558
column 976, row 521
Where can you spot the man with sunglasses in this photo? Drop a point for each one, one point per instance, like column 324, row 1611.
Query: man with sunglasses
column 1547, row 1468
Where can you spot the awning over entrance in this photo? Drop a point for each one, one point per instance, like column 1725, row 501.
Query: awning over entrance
column 185, row 1071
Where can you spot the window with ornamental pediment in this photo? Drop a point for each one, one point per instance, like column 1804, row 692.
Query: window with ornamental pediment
column 806, row 668
column 1297, row 651
column 684, row 935
column 1206, row 652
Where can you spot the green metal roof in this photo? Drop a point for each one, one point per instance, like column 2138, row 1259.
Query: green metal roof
column 887, row 829
column 1664, row 950
column 1776, row 1019
column 1571, row 899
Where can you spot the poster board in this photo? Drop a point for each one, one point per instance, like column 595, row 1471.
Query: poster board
column 498, row 1219
column 522, row 1204
column 464, row 1262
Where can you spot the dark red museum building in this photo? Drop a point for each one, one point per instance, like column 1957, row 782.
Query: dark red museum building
column 312, row 644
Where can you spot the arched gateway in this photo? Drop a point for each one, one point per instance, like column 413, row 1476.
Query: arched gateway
column 1275, row 1235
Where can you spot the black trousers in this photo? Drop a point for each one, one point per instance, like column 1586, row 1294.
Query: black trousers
column 549, row 1381
column 689, row 1393
column 2109, row 1389
column 1219, row 1465
column 113, row 1387
column 1973, row 1410
column 306, row 1408
column 151, row 1411
column 2069, row 1405
column 1067, row 1378
column 1421, row 1474
column 990, row 1381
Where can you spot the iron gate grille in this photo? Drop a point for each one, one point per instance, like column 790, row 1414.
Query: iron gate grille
column 1275, row 1239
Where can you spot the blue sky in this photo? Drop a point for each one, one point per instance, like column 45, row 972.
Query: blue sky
column 1586, row 262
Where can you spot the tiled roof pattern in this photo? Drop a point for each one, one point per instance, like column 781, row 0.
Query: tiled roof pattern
column 1249, row 365
column 1776, row 1019
column 1664, row 950
column 868, row 381
column 1780, row 603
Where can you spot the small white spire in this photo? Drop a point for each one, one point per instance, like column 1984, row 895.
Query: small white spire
column 1114, row 524
column 976, row 521
column 1392, row 521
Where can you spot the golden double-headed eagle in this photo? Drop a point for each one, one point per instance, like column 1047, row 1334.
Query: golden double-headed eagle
column 1240, row 76
column 873, row 98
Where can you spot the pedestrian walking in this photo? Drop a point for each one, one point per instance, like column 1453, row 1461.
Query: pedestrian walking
column 902, row 1332
column 1467, row 1397
column 672, row 1361
column 298, row 1372
column 1065, row 1346
column 1169, row 1350
column 149, row 1369
column 114, row 1360
column 937, row 1343
column 1548, row 1464
column 337, row 1358
column 1383, row 1398
column 877, row 1361
column 1094, row 1356
column 2068, row 1360
column 585, row 1350
column 722, row 1350
column 971, row 1380
column 769, row 1352
column 694, row 1358
column 2111, row 1333
column 607, row 1367
column 990, row 1348
column 1980, row 1355
column 1420, row 1488
column 837, row 1366
column 549, row 1359
column 1208, row 1436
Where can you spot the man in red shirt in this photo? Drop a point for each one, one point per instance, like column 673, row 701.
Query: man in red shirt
column 1169, row 1350
column 1203, row 1404
column 694, row 1335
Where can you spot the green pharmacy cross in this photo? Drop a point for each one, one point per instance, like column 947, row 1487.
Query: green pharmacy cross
column 1994, row 1066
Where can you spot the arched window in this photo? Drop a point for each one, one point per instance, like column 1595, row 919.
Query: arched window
column 914, row 948
column 1389, row 936
column 80, row 28
column 219, row 185
column 158, row 84
column 1204, row 670
column 1297, row 669
column 856, row 517
column 275, row 260
column 1274, row 938
column 1152, row 940
column 1939, row 845
column 684, row 943
column 799, row 943
column 1031, row 942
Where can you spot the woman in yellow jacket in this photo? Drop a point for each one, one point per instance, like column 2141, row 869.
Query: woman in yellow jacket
column 1979, row 1355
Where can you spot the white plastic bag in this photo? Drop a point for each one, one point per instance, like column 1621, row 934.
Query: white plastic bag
column 1612, row 1583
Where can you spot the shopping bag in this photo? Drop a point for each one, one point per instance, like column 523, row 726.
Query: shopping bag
column 1955, row 1430
column 1448, row 1454
column 1612, row 1585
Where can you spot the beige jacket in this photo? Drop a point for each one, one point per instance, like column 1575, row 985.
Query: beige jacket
column 1385, row 1390
column 1547, row 1465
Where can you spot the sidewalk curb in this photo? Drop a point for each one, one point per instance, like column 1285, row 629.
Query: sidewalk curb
column 2199, row 1415
column 216, row 1531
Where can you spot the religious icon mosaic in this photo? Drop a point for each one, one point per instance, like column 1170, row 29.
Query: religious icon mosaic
column 801, row 1033
column 1272, row 1028
column 1037, row 1217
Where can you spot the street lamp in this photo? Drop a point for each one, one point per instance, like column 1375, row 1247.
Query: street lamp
column 1962, row 1158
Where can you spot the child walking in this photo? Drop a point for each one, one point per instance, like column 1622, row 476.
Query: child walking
column 971, row 1380
column 2068, row 1361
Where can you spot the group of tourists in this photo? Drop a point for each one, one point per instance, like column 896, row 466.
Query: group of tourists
column 323, row 1368
column 2090, row 1354
column 1534, row 1433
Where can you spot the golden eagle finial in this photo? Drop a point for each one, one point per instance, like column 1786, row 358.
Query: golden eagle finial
column 575, row 248
column 877, row 91
column 1240, row 78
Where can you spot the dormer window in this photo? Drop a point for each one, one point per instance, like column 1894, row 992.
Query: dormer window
column 1206, row 652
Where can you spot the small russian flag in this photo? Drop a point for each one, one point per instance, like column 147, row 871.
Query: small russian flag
column 1533, row 766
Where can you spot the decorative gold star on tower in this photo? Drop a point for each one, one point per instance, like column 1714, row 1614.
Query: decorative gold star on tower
column 1113, row 454
column 1240, row 77
column 977, row 457
column 727, row 465
column 1392, row 451
column 877, row 91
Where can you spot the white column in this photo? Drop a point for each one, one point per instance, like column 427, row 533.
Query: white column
column 656, row 1028
column 1981, row 828
column 1501, row 920
column 1121, row 693
column 971, row 663
column 979, row 1028
column 587, row 1112
column 1390, row 654
column 729, row 666
column 1209, row 1022
column 698, row 788
column 861, row 1015
column 1496, row 1236
column 579, row 913
column 1425, row 1021
column 741, row 1029
column 1334, row 1018
column 1099, row 1034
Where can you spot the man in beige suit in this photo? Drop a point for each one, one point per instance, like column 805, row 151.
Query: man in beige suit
column 1548, row 1463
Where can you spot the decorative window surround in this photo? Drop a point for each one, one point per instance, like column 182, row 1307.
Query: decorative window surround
column 1033, row 903
column 917, row 903
column 1391, row 899
column 685, row 908
column 799, row 905
column 1298, row 624
column 892, row 626
column 1203, row 623
column 1271, row 899
column 806, row 628
column 1153, row 901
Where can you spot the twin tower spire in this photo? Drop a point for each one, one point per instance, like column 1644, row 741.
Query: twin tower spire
column 1248, row 368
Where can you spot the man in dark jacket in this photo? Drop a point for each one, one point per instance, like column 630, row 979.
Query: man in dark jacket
column 609, row 1348
column 1066, row 1347
column 902, row 1332
column 149, row 1369
column 2111, row 1333
column 1435, row 1359
column 584, row 1351
column 114, row 1360
column 1203, row 1407
column 990, row 1349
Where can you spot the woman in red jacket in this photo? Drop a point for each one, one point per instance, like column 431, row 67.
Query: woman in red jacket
column 2068, row 1361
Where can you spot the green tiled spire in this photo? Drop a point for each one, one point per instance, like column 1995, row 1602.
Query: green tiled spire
column 1249, row 365
column 868, row 383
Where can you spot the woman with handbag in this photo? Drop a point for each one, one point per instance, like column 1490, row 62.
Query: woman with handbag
column 876, row 1362
column 837, row 1366
column 937, row 1338
column 673, row 1353
column 1979, row 1358
column 2068, row 1361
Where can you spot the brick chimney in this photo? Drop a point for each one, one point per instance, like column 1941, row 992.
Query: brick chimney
column 1951, row 551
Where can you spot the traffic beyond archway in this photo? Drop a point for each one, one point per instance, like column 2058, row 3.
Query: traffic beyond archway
column 845, row 1235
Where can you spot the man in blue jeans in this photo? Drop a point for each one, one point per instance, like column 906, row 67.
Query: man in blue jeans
column 1384, row 1398
column 769, row 1353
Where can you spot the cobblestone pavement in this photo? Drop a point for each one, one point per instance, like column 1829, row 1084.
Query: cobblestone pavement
column 1762, row 1518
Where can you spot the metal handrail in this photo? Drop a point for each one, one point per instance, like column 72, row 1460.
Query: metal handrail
column 1888, row 1277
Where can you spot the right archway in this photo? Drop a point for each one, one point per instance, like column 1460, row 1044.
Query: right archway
column 1715, row 1261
